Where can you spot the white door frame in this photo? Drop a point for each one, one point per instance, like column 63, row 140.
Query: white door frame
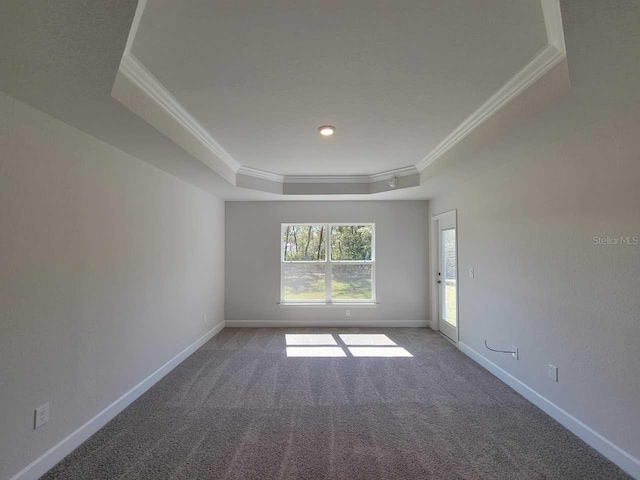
column 451, row 218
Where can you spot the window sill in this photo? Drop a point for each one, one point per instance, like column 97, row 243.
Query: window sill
column 330, row 305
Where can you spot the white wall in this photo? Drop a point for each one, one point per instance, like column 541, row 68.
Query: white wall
column 253, row 261
column 527, row 222
column 107, row 266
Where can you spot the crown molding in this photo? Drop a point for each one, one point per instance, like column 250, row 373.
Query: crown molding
column 389, row 174
column 542, row 63
column 327, row 179
column 399, row 172
column 537, row 67
column 135, row 24
column 138, row 74
column 263, row 174
column 553, row 23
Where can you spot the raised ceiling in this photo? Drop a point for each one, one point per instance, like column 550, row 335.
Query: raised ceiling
column 250, row 82
column 394, row 78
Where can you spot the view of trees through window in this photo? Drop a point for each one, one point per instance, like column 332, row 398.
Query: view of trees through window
column 304, row 242
column 350, row 264
column 351, row 242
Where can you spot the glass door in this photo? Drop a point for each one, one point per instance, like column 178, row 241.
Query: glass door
column 448, row 277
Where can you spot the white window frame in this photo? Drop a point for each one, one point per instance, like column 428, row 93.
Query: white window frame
column 328, row 262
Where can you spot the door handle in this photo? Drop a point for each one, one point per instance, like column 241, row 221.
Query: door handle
column 439, row 281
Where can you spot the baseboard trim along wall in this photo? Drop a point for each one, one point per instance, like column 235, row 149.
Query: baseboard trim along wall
column 54, row 455
column 617, row 455
column 325, row 323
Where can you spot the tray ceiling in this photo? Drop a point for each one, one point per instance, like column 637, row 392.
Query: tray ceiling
column 245, row 85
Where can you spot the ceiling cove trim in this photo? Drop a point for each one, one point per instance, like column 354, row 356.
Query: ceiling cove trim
column 262, row 174
column 135, row 24
column 399, row 172
column 553, row 23
column 137, row 73
column 537, row 67
column 328, row 179
column 389, row 174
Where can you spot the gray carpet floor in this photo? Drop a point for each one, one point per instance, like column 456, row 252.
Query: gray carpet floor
column 240, row 408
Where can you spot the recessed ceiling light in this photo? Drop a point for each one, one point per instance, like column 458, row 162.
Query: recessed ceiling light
column 327, row 130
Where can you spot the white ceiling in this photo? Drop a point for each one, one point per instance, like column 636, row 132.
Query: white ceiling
column 394, row 77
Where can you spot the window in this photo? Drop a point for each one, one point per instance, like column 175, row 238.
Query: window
column 328, row 263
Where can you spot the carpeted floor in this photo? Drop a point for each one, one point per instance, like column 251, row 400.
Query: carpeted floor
column 239, row 408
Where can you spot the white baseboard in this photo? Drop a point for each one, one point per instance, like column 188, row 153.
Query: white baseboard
column 617, row 455
column 54, row 455
column 325, row 323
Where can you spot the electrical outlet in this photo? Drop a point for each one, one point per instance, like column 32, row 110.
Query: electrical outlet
column 515, row 352
column 553, row 373
column 204, row 318
column 348, row 313
column 41, row 416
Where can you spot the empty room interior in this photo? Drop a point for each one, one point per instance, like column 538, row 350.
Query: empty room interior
column 319, row 240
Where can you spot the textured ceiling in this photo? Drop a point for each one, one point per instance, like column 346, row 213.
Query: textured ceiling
column 394, row 77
